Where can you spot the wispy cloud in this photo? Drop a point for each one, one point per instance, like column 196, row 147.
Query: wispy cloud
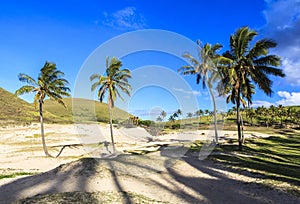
column 283, row 25
column 190, row 92
column 261, row 103
column 125, row 19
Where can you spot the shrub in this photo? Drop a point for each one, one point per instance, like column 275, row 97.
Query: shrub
column 176, row 126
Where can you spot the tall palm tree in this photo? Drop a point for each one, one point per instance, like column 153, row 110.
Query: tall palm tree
column 163, row 114
column 50, row 83
column 245, row 63
column 206, row 70
column 115, row 79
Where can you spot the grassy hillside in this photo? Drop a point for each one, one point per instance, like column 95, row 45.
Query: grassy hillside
column 83, row 110
column 14, row 110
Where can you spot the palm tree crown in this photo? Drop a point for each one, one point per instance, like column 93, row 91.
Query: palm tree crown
column 50, row 83
column 114, row 80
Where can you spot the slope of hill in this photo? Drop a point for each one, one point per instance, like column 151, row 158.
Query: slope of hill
column 83, row 110
column 14, row 110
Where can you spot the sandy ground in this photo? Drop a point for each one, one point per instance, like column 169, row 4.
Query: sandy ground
column 167, row 175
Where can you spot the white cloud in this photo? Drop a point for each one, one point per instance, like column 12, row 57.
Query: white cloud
column 283, row 25
column 291, row 69
column 191, row 92
column 261, row 103
column 289, row 99
column 125, row 19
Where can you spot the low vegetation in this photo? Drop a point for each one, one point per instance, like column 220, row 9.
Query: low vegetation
column 89, row 197
column 276, row 159
column 15, row 174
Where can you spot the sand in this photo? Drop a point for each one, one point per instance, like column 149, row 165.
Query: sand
column 170, row 175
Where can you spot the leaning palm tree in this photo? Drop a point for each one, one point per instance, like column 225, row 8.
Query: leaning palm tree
column 243, row 63
column 115, row 79
column 205, row 70
column 50, row 84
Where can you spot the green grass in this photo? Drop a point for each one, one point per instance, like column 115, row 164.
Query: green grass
column 84, row 110
column 276, row 159
column 14, row 110
column 16, row 174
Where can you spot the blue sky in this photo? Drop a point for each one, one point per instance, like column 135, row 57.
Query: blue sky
column 67, row 32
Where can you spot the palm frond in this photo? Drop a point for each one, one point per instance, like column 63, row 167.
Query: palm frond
column 27, row 79
column 25, row 89
column 94, row 76
column 269, row 60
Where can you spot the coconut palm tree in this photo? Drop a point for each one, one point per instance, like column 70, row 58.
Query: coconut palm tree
column 243, row 62
column 189, row 115
column 172, row 119
column 159, row 119
column 50, row 83
column 198, row 114
column 178, row 113
column 163, row 114
column 114, row 80
column 206, row 70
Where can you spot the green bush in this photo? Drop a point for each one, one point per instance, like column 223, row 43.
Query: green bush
column 147, row 123
column 176, row 126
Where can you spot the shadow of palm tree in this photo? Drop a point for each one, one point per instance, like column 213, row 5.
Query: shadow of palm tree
column 158, row 176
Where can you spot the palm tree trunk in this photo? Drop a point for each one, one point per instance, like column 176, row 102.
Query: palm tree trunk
column 42, row 130
column 215, row 114
column 239, row 119
column 242, row 131
column 111, row 128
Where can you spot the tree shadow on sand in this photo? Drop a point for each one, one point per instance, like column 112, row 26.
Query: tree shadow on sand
column 160, row 176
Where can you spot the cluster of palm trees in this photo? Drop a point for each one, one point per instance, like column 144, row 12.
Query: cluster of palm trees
column 236, row 72
column 246, row 65
column 279, row 116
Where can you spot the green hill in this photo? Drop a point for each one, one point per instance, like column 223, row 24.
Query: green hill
column 83, row 110
column 14, row 110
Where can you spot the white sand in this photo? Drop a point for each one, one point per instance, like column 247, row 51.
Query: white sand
column 186, row 181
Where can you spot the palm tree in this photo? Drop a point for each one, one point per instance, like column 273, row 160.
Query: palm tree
column 206, row 70
column 50, row 83
column 198, row 114
column 172, row 119
column 281, row 112
column 250, row 114
column 174, row 116
column 244, row 64
column 159, row 119
column 163, row 114
column 189, row 115
column 115, row 79
column 178, row 113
